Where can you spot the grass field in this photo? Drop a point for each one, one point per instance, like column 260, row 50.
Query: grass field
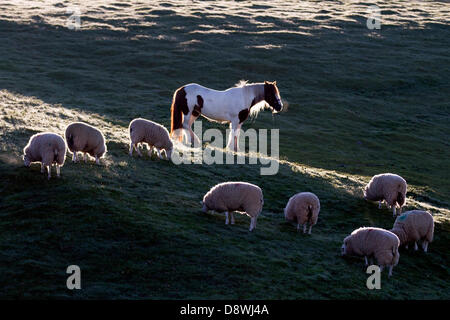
column 361, row 102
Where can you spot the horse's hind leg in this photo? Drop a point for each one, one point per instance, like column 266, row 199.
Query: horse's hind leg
column 193, row 138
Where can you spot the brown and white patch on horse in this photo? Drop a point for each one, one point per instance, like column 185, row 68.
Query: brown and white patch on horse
column 198, row 107
column 178, row 108
column 243, row 115
column 272, row 95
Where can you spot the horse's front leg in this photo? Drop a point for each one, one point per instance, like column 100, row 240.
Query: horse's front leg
column 236, row 137
column 232, row 138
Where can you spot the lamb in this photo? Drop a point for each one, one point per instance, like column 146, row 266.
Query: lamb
column 47, row 148
column 413, row 226
column 388, row 187
column 235, row 196
column 151, row 133
column 303, row 208
column 373, row 242
column 87, row 139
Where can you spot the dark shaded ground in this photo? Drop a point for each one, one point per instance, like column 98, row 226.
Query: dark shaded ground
column 361, row 102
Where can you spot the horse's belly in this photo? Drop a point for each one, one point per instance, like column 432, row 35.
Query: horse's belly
column 220, row 117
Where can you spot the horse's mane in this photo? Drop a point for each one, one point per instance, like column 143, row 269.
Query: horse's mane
column 255, row 109
column 241, row 83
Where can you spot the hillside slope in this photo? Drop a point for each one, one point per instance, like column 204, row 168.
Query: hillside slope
column 360, row 102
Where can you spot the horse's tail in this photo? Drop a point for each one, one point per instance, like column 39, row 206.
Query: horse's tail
column 179, row 107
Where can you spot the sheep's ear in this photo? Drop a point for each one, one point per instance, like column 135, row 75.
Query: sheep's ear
column 275, row 82
column 266, row 82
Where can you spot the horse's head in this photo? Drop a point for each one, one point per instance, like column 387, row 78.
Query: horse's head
column 272, row 96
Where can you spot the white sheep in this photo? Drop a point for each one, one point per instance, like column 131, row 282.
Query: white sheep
column 87, row 139
column 303, row 208
column 388, row 187
column 153, row 134
column 375, row 243
column 242, row 197
column 413, row 226
column 47, row 148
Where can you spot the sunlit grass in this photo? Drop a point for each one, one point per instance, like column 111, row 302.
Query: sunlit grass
column 361, row 102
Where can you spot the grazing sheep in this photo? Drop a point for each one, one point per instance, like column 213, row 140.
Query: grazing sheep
column 151, row 133
column 388, row 187
column 87, row 139
column 413, row 226
column 373, row 242
column 303, row 208
column 235, row 196
column 46, row 148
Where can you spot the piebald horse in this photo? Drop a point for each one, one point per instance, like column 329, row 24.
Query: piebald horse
column 232, row 106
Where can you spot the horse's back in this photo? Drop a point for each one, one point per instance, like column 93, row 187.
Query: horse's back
column 199, row 89
column 214, row 104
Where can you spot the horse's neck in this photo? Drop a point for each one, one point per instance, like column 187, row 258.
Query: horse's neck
column 256, row 92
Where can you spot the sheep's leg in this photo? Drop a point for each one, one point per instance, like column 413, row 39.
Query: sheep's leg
column 49, row 171
column 425, row 245
column 97, row 160
column 252, row 224
column 310, row 227
column 131, row 149
column 42, row 167
column 371, row 260
column 137, row 150
column 365, row 259
column 150, row 150
column 298, row 226
column 394, row 209
column 58, row 170
column 226, row 217
column 159, row 153
column 381, row 268
column 379, row 204
column 232, row 217
column 415, row 246
column 74, row 157
column 304, row 228
column 85, row 157
column 390, row 270
column 406, row 246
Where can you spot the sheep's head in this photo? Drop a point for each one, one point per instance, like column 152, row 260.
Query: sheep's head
column 345, row 247
column 26, row 160
column 204, row 207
